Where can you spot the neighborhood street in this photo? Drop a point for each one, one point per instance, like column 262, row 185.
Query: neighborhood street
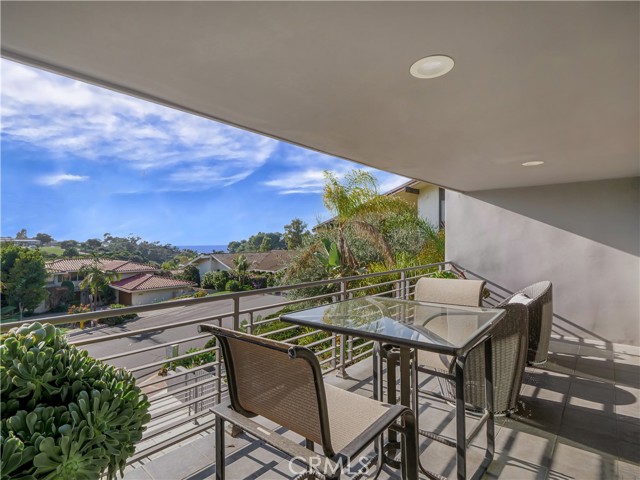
column 160, row 318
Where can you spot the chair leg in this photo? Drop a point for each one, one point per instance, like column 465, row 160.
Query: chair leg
column 409, row 447
column 219, row 434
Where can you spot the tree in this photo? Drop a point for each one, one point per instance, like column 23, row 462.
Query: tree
column 44, row 238
column 68, row 244
column 295, row 233
column 24, row 277
column 265, row 246
column 191, row 274
column 242, row 265
column 70, row 252
column 22, row 234
column 96, row 279
column 356, row 203
column 93, row 243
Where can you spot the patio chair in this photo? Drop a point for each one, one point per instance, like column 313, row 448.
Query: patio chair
column 283, row 383
column 509, row 345
column 540, row 319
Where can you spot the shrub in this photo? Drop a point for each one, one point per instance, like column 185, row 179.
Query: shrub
column 209, row 280
column 200, row 293
column 233, row 286
column 191, row 274
column 220, row 280
column 65, row 415
column 79, row 309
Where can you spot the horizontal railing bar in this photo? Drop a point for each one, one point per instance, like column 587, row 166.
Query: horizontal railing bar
column 489, row 282
column 172, row 359
column 172, row 441
column 308, row 334
column 184, row 405
column 133, row 333
column 151, row 433
column 290, row 302
column 184, row 388
column 321, row 341
column 154, row 347
column 280, row 330
column 179, row 374
column 79, row 317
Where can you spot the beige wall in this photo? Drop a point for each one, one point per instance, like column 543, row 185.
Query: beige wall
column 429, row 204
column 584, row 237
column 144, row 298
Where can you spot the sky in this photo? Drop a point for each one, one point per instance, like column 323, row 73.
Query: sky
column 79, row 161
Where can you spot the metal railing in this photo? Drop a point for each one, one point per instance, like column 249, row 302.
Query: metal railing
column 180, row 399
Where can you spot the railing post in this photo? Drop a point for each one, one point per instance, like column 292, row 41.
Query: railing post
column 250, row 326
column 236, row 313
column 402, row 291
column 342, row 372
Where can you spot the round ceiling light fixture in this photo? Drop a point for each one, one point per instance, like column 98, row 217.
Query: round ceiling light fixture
column 432, row 66
column 532, row 164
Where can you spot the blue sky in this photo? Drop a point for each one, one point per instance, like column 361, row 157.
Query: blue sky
column 79, row 161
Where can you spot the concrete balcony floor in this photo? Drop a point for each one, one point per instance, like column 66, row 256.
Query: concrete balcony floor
column 579, row 418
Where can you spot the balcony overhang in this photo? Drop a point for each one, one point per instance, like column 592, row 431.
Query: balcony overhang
column 554, row 81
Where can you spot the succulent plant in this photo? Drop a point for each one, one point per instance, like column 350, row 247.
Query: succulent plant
column 65, row 415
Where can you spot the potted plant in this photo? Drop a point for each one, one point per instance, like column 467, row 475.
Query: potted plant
column 65, row 415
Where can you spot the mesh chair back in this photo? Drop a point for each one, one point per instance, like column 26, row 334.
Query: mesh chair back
column 540, row 319
column 280, row 382
column 450, row 290
column 509, row 347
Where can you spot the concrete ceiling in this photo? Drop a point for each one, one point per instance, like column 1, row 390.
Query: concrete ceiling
column 550, row 81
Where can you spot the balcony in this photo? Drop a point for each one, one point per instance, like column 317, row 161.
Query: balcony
column 578, row 415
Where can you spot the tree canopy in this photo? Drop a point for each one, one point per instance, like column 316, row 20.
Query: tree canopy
column 295, row 233
column 23, row 276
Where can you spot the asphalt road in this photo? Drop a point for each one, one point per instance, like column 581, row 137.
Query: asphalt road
column 163, row 318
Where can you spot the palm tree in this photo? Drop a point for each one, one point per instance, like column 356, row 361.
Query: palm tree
column 242, row 265
column 95, row 279
column 356, row 203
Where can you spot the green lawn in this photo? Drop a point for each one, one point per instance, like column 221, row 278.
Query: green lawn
column 52, row 250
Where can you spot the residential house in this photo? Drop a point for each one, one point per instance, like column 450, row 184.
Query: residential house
column 266, row 262
column 429, row 200
column 132, row 278
column 145, row 288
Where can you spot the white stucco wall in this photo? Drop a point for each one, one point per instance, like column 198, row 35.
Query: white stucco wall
column 584, row 237
column 429, row 204
column 210, row 265
column 154, row 296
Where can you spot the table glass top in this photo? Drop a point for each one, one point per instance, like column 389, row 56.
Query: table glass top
column 403, row 322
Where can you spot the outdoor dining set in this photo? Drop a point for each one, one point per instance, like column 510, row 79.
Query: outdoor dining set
column 478, row 355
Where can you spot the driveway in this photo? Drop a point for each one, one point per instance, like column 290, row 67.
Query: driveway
column 160, row 318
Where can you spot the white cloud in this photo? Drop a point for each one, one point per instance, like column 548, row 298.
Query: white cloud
column 58, row 178
column 76, row 121
column 305, row 174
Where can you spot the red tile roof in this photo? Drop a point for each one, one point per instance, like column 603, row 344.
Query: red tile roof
column 145, row 281
column 74, row 264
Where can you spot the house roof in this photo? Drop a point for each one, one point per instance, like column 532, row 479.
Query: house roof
column 146, row 281
column 65, row 265
column 271, row 261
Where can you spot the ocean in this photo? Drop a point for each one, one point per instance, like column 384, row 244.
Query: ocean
column 204, row 248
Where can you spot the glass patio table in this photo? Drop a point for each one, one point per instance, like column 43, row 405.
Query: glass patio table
column 404, row 326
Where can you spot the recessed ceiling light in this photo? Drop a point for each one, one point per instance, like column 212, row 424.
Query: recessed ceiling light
column 532, row 164
column 432, row 67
